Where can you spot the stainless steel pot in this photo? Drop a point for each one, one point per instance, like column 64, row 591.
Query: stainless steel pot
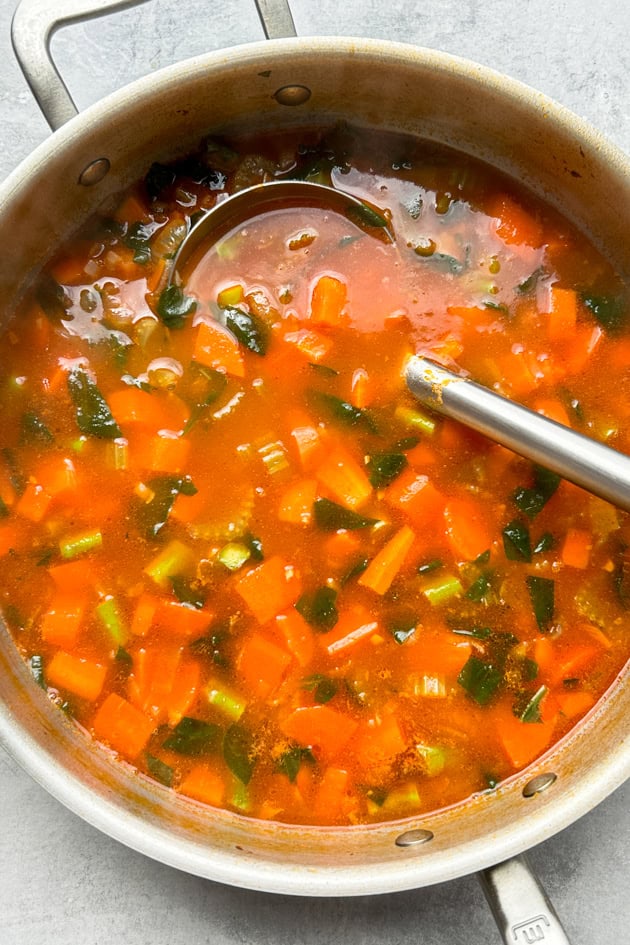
column 292, row 82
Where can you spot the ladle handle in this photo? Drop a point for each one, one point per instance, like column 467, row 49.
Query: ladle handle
column 589, row 464
column 519, row 904
column 276, row 18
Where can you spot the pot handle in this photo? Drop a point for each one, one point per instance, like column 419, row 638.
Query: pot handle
column 520, row 905
column 36, row 21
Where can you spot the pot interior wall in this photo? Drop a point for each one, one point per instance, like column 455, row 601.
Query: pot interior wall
column 376, row 85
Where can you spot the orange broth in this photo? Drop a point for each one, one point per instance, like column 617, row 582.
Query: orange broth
column 246, row 560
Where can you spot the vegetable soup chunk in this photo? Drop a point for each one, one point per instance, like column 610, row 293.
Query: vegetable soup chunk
column 235, row 549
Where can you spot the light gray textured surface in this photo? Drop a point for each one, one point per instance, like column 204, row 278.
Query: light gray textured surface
column 62, row 881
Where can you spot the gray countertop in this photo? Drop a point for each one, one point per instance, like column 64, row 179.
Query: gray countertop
column 61, row 880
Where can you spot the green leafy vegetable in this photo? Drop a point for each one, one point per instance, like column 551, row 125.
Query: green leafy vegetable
column 330, row 517
column 238, row 752
column 35, row 430
column 402, row 629
column 544, row 543
column 319, row 608
column 527, row 706
column 477, row 633
column 158, row 179
column 93, row 414
column 532, row 500
column 480, row 679
column 434, row 565
column 249, row 329
column 290, row 761
column 188, row 592
column 366, row 215
column 383, row 468
column 174, row 307
column 516, row 541
column 152, row 516
column 542, row 595
column 323, row 687
column 479, row 588
column 160, row 770
column 194, row 737
column 340, row 410
column 611, row 313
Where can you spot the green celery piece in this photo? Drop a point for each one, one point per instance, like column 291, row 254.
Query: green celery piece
column 516, row 541
column 109, row 615
column 225, row 701
column 480, row 679
column 74, row 545
column 434, row 758
column 238, row 752
column 542, row 595
column 415, row 419
column 441, row 590
column 234, row 555
column 160, row 770
column 194, row 737
column 175, row 559
column 527, row 707
column 240, row 798
column 318, row 608
column 383, row 468
column 92, row 411
column 330, row 517
column 174, row 307
column 250, row 330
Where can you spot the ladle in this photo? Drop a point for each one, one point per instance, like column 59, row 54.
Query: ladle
column 578, row 458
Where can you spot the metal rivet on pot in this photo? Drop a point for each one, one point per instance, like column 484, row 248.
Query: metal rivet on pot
column 94, row 172
column 540, row 783
column 412, row 838
column 292, row 95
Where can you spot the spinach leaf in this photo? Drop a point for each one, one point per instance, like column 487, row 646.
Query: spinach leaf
column 238, row 752
column 383, row 468
column 330, row 517
column 402, row 628
column 480, row 679
column 93, row 414
column 542, row 595
column 290, row 761
column 323, row 687
column 527, row 706
column 174, row 307
column 477, row 633
column 610, row 312
column 158, row 179
column 544, row 543
column 532, row 500
column 34, row 430
column 516, row 541
column 479, row 588
column 340, row 410
column 319, row 608
column 160, row 770
column 194, row 737
column 151, row 516
column 249, row 329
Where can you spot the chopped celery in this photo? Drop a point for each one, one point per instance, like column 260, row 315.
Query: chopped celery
column 174, row 559
column 274, row 456
column 118, row 453
column 234, row 555
column 433, row 758
column 443, row 589
column 404, row 797
column 429, row 687
column 109, row 616
column 225, row 701
column 240, row 797
column 416, row 420
column 79, row 544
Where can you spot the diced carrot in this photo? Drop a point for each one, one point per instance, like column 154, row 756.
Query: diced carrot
column 562, row 316
column 296, row 502
column 312, row 344
column 578, row 349
column 181, row 620
column 204, row 785
column 166, row 452
column 362, row 392
column 354, row 626
column 321, row 728
column 143, row 615
column 131, row 210
column 163, row 683
column 438, row 653
column 379, row 740
column 9, row 538
column 544, row 654
column 52, row 478
column 384, row 567
column 421, row 456
column 576, row 548
column 344, row 478
column 515, row 369
column 262, row 664
column 342, row 548
column 122, row 726
column 61, row 623
column 34, row 502
column 72, row 575
column 467, row 528
column 552, row 408
column 328, row 300
column 218, row 349
column 575, row 662
column 515, row 224
column 153, row 411
column 297, row 635
column 417, row 497
column 307, row 440
column 573, row 704
column 332, row 798
column 269, row 589
column 521, row 741
column 80, row 676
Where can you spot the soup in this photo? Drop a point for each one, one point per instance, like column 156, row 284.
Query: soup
column 233, row 546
